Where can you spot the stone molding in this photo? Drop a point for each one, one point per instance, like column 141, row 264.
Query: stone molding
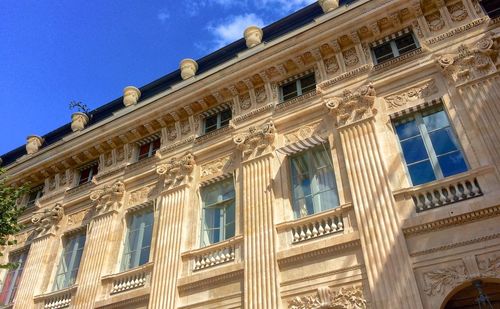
column 408, row 96
column 47, row 219
column 352, row 106
column 109, row 198
column 456, row 31
column 176, row 170
column 208, row 282
column 456, row 245
column 257, row 140
column 329, row 83
column 217, row 167
column 345, row 298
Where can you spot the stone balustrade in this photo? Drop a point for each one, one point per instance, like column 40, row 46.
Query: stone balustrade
column 318, row 225
column 130, row 279
column 58, row 299
column 216, row 254
column 445, row 191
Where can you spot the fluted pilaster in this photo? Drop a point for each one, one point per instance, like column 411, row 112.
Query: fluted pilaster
column 390, row 275
column 261, row 279
column 91, row 270
column 35, row 270
column 167, row 262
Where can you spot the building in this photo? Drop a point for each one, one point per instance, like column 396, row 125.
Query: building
column 351, row 160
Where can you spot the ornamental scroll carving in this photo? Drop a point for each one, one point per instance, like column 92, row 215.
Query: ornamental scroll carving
column 413, row 94
column 47, row 219
column 257, row 140
column 470, row 62
column 438, row 281
column 217, row 167
column 352, row 106
column 345, row 298
column 110, row 197
column 176, row 170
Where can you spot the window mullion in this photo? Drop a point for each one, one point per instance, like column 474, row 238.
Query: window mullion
column 428, row 145
column 298, row 85
column 138, row 251
column 71, row 264
column 394, row 48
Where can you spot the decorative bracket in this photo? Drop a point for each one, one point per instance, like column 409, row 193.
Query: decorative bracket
column 47, row 219
column 109, row 197
column 176, row 170
column 257, row 140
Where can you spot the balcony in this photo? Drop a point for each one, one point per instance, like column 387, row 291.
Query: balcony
column 128, row 280
column 57, row 299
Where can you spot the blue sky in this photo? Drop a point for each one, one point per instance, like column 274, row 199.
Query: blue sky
column 53, row 52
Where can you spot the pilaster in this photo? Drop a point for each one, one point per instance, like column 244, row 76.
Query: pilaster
column 176, row 175
column 390, row 275
column 261, row 288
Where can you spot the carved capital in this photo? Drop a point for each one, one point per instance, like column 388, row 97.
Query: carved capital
column 345, row 298
column 257, row 140
column 352, row 106
column 176, row 170
column 47, row 219
column 110, row 197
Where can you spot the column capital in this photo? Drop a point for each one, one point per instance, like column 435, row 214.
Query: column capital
column 176, row 171
column 257, row 141
column 108, row 198
column 352, row 106
column 45, row 221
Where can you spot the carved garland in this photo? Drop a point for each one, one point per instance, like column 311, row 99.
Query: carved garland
column 345, row 298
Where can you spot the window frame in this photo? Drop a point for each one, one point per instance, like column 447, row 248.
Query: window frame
column 136, row 251
column 39, row 193
column 298, row 86
column 224, row 205
column 93, row 170
column 429, row 148
column 394, row 48
column 335, row 177
column 16, row 278
column 219, row 121
column 151, row 149
column 75, row 251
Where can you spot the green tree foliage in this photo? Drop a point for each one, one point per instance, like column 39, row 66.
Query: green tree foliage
column 9, row 213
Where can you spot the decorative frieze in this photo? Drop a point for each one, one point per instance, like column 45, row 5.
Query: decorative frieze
column 78, row 218
column 257, row 140
column 411, row 95
column 345, row 298
column 47, row 219
column 352, row 106
column 305, row 132
column 140, row 196
column 216, row 167
column 110, row 197
column 455, row 31
column 440, row 280
column 490, row 266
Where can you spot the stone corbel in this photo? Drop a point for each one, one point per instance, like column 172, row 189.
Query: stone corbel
column 108, row 198
column 177, row 170
column 46, row 220
column 257, row 140
column 352, row 106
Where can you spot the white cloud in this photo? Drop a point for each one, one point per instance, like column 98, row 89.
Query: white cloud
column 231, row 29
column 163, row 15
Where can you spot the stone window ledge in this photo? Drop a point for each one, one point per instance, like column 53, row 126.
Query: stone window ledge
column 57, row 299
column 398, row 60
column 216, row 254
column 214, row 134
column 128, row 280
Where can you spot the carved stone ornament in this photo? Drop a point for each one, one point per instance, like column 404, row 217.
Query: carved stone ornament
column 245, row 101
column 331, row 65
column 345, row 298
column 351, row 57
column 470, row 62
column 435, row 22
column 490, row 267
column 352, row 106
column 419, row 92
column 304, row 132
column 79, row 121
column 260, row 95
column 110, row 197
column 216, row 167
column 457, row 12
column 176, row 170
column 140, row 196
column 438, row 281
column 256, row 140
column 33, row 144
column 47, row 219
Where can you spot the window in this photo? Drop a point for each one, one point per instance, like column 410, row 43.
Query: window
column 491, row 8
column 87, row 173
column 394, row 48
column 12, row 279
column 218, row 120
column 148, row 149
column 138, row 240
column 69, row 262
column 218, row 212
column 313, row 182
column 430, row 148
column 298, row 87
column 34, row 195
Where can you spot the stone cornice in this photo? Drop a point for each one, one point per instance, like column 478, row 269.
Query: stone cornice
column 456, row 245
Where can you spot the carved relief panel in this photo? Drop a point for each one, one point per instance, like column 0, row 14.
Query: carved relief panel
column 411, row 96
column 345, row 298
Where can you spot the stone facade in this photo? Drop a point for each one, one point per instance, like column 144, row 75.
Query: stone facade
column 388, row 244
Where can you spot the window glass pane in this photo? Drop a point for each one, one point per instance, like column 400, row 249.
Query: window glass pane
column 414, row 150
column 383, row 52
column 308, row 83
column 143, row 151
column 12, row 279
column 225, row 116
column 138, row 240
column 452, row 163
column 95, row 170
column 405, row 43
column 435, row 121
column 70, row 262
column 84, row 175
column 211, row 123
column 421, row 172
column 443, row 141
column 289, row 90
column 407, row 129
column 156, row 145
